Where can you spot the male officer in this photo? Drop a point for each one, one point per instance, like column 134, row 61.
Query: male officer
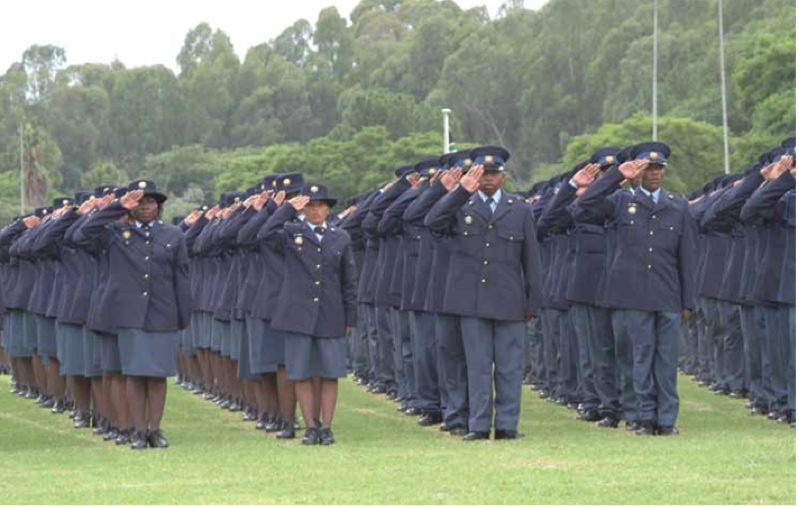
column 493, row 285
column 652, row 273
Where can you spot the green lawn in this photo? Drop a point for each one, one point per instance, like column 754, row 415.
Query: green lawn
column 723, row 456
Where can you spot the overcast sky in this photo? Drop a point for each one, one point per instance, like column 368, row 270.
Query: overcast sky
column 147, row 32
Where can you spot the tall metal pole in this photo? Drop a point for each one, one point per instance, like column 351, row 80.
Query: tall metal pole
column 655, row 75
column 21, row 168
column 446, row 113
column 723, row 92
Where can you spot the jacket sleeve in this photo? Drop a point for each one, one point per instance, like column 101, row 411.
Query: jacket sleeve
column 391, row 222
column 193, row 233
column 182, row 281
column 272, row 230
column 531, row 264
column 441, row 219
column 349, row 287
column 687, row 260
column 599, row 196
column 763, row 202
column 94, row 231
column 555, row 214
column 418, row 210
column 47, row 242
column 728, row 206
column 248, row 235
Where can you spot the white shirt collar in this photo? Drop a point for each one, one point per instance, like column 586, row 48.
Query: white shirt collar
column 654, row 195
column 139, row 225
column 312, row 226
column 497, row 195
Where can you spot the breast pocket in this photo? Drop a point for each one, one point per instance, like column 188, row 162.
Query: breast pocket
column 163, row 251
column 510, row 243
column 631, row 231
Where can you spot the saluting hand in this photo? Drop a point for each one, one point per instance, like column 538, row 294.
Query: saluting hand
column 87, row 206
column 229, row 211
column 31, row 222
column 300, row 202
column 131, row 199
column 193, row 217
column 105, row 201
column 632, row 169
column 212, row 213
column 260, row 201
column 451, row 177
column 471, row 182
column 586, row 175
column 280, row 197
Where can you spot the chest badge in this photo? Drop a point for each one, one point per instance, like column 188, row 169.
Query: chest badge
column 126, row 234
column 299, row 241
column 468, row 220
column 631, row 210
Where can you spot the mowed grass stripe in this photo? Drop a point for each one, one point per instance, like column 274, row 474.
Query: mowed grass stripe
column 724, row 456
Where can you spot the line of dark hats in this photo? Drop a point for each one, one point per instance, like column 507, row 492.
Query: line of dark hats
column 292, row 183
column 81, row 196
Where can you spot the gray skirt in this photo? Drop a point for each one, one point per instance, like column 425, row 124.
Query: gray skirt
column 92, row 354
column 308, row 357
column 244, row 372
column 216, row 335
column 236, row 337
column 70, row 339
column 202, row 338
column 46, row 345
column 29, row 335
column 15, row 332
column 224, row 329
column 148, row 353
column 110, row 361
column 267, row 346
column 187, row 340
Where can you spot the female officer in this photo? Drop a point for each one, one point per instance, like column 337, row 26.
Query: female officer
column 317, row 303
column 147, row 300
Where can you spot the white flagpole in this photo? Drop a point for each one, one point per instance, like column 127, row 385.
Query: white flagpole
column 723, row 92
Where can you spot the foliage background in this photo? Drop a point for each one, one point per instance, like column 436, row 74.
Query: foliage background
column 348, row 99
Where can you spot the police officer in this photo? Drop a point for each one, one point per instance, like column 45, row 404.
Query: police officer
column 496, row 241
column 147, row 300
column 316, row 305
column 655, row 243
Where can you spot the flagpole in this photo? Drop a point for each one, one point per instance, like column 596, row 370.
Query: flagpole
column 723, row 92
column 21, row 169
column 655, row 74
column 446, row 113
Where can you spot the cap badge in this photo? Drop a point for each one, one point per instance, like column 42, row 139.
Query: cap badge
column 314, row 189
column 287, row 181
column 609, row 159
column 653, row 155
column 142, row 185
column 489, row 159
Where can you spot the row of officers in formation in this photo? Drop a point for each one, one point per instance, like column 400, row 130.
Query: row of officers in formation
column 442, row 290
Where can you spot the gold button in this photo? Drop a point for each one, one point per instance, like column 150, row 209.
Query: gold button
column 318, row 266
column 484, row 280
column 147, row 242
column 650, row 248
column 144, row 294
column 318, row 249
column 649, row 267
column 490, row 226
column 146, row 276
column 465, row 233
column 488, row 244
column 651, row 233
column 315, row 300
column 485, row 263
column 147, row 258
column 317, row 282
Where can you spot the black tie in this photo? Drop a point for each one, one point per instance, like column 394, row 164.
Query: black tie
column 490, row 203
column 320, row 230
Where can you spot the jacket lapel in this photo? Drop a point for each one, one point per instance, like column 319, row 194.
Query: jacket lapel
column 476, row 206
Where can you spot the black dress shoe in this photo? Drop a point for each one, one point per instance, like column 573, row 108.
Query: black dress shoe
column 738, row 395
column 100, row 426
column 632, row 425
column 81, row 420
column 458, row 431
column 507, row 435
column 608, row 422
column 58, row 407
column 785, row 418
column 124, row 437
column 72, row 414
column 378, row 390
column 273, row 423
column 287, row 433
column 138, row 441
column 326, row 437
column 667, row 431
column 156, row 440
column 774, row 415
column 32, row 394
column 49, row 402
column 430, row 419
column 249, row 415
column 412, row 411
column 647, row 428
column 572, row 406
column 235, row 406
column 311, row 437
column 544, row 394
column 589, row 416
column 391, row 395
column 111, row 434
column 476, row 435
column 444, row 427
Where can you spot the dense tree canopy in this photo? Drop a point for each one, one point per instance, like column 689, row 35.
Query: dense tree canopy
column 348, row 99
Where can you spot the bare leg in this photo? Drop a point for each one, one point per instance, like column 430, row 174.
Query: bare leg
column 81, row 392
column 304, row 389
column 194, row 371
column 55, row 382
column 329, row 397
column 156, row 401
column 39, row 374
column 100, row 405
column 317, row 397
column 286, row 395
column 269, row 399
column 120, row 400
column 108, row 395
column 137, row 400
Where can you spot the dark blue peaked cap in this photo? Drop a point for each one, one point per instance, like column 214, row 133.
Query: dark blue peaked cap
column 60, row 202
column 405, row 170
column 655, row 152
column 789, row 144
column 494, row 157
column 82, row 196
column 606, row 157
column 460, row 158
column 428, row 166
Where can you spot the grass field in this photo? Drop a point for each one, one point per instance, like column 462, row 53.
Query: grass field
column 723, row 456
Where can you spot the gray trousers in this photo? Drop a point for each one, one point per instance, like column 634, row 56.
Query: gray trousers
column 452, row 361
column 791, row 310
column 583, row 328
column 567, row 366
column 602, row 345
column 536, row 337
column 655, row 337
column 551, row 342
column 733, row 345
column 751, row 328
column 385, row 348
column 623, row 334
column 425, row 361
column 703, row 355
column 403, row 356
column 360, row 345
column 715, row 339
column 778, row 348
column 494, row 359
